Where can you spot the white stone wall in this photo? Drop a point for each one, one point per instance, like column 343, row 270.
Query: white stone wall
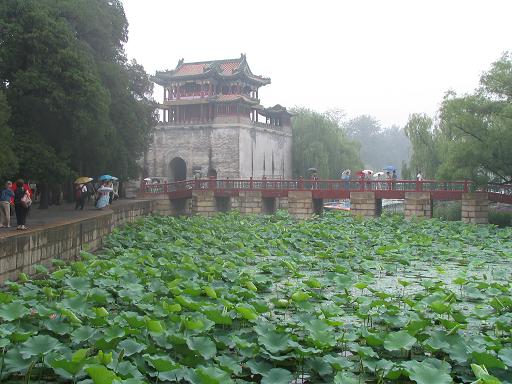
column 234, row 150
column 260, row 146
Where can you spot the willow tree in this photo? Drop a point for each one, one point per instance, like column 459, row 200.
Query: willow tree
column 319, row 142
column 478, row 127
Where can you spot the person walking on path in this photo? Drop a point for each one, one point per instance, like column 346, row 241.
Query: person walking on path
column 103, row 195
column 21, row 203
column 80, row 195
column 6, row 194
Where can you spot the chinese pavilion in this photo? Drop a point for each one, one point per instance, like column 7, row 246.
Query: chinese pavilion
column 214, row 125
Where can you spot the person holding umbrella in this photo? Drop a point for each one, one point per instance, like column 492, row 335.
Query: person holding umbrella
column 81, row 191
column 391, row 175
column 104, row 192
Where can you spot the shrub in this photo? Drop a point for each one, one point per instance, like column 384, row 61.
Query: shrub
column 500, row 218
column 448, row 210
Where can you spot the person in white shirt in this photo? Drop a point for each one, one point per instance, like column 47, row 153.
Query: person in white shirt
column 419, row 176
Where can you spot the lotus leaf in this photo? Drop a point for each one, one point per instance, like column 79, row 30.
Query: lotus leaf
column 13, row 311
column 131, row 346
column 203, row 345
column 38, row 345
column 101, row 375
column 399, row 340
column 277, row 376
column 424, row 373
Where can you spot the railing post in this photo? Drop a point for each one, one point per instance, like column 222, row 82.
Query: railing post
column 465, row 186
column 166, row 188
column 301, row 183
column 250, row 183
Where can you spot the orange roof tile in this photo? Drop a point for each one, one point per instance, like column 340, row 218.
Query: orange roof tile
column 227, row 67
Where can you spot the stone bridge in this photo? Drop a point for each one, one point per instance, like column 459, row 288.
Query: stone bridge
column 304, row 198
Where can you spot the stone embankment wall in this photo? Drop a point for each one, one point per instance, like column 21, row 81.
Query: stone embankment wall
column 25, row 250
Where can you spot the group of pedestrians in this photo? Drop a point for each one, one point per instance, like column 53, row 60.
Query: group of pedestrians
column 103, row 194
column 19, row 196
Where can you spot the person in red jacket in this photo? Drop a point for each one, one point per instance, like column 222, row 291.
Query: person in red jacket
column 26, row 187
column 20, row 189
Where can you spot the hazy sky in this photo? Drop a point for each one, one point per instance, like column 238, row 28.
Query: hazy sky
column 387, row 58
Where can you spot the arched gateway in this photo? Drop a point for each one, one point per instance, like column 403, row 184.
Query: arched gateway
column 177, row 169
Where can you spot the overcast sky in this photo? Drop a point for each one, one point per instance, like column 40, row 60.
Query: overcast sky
column 386, row 58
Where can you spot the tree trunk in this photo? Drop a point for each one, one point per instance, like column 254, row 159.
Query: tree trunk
column 44, row 195
column 69, row 190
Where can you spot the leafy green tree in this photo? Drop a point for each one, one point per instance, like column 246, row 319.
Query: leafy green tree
column 68, row 84
column 478, row 127
column 319, row 142
column 8, row 162
column 474, row 134
column 425, row 142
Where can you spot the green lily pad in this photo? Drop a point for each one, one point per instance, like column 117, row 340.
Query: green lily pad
column 488, row 360
column 131, row 346
column 204, row 345
column 274, row 342
column 38, row 345
column 82, row 334
column 277, row 376
column 101, row 374
column 346, row 378
column 505, row 355
column 424, row 373
column 212, row 375
column 13, row 311
column 399, row 340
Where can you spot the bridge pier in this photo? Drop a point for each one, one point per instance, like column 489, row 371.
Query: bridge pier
column 203, row 203
column 475, row 208
column 364, row 204
column 417, row 204
column 250, row 202
column 300, row 204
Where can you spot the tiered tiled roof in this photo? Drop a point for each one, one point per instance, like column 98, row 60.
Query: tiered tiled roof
column 224, row 69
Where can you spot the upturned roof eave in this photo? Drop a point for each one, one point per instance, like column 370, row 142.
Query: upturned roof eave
column 165, row 79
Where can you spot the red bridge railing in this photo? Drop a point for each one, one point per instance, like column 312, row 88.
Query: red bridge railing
column 305, row 185
column 333, row 189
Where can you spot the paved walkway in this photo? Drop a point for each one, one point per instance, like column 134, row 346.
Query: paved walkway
column 56, row 215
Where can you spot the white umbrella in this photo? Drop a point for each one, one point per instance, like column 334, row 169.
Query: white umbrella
column 147, row 179
column 378, row 174
column 367, row 171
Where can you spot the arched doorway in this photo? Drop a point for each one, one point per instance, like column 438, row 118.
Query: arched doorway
column 212, row 173
column 177, row 169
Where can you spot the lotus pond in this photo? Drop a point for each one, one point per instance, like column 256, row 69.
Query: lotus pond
column 266, row 299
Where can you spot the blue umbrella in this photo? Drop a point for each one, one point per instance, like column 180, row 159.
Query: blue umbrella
column 390, row 168
column 105, row 177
